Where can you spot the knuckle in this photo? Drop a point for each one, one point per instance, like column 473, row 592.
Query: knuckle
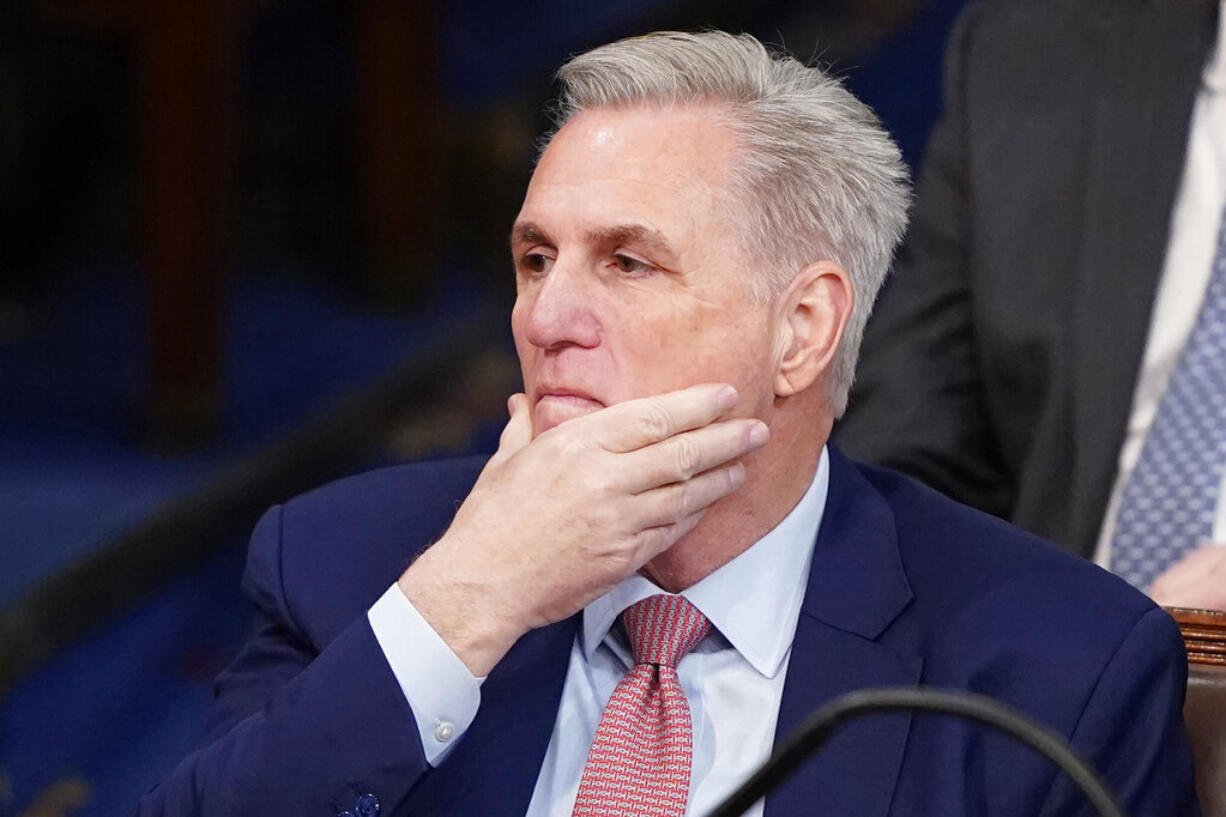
column 601, row 484
column 604, row 517
column 688, row 457
column 683, row 500
column 654, row 421
column 567, row 443
column 652, row 540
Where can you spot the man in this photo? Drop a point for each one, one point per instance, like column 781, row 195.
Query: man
column 663, row 568
column 1068, row 221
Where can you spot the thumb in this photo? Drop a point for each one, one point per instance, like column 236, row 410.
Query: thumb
column 518, row 431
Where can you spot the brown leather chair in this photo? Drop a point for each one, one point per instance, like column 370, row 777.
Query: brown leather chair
column 1204, row 711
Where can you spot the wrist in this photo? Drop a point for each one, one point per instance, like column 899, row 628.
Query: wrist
column 463, row 610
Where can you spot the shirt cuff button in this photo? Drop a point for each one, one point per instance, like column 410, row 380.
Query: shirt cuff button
column 444, row 731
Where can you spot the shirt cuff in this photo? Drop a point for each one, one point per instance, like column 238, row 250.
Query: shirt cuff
column 442, row 693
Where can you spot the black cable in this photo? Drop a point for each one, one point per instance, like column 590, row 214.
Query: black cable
column 798, row 746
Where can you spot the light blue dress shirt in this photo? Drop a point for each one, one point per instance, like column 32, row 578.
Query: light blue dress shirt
column 733, row 680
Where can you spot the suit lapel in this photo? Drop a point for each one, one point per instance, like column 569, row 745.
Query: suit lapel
column 493, row 770
column 1147, row 58
column 857, row 587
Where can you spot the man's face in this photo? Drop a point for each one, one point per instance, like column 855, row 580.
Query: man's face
column 629, row 280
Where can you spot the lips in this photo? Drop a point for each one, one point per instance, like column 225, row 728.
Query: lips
column 556, row 405
column 564, row 394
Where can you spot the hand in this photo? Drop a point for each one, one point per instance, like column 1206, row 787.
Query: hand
column 555, row 522
column 1198, row 580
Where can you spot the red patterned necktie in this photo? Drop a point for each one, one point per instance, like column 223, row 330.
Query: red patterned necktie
column 639, row 763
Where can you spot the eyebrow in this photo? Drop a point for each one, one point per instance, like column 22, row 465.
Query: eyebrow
column 527, row 232
column 639, row 234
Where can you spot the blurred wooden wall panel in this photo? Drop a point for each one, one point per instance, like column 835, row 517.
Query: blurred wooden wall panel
column 188, row 57
column 397, row 148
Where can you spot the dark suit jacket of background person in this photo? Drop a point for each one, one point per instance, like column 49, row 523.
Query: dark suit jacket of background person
column 1000, row 364
column 905, row 588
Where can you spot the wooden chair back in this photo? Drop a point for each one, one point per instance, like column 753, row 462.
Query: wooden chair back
column 1204, row 710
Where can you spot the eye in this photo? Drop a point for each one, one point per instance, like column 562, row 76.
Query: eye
column 535, row 263
column 632, row 266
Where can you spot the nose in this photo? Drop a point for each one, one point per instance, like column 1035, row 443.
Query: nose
column 559, row 310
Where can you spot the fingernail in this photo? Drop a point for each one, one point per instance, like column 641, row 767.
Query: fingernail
column 736, row 475
column 759, row 434
column 727, row 398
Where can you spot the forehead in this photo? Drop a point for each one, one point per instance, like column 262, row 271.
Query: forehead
column 665, row 167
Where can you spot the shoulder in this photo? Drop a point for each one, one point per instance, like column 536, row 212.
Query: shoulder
column 422, row 494
column 993, row 602
column 957, row 555
column 1001, row 613
column 327, row 555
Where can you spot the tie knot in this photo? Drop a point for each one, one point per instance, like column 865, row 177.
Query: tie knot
column 663, row 628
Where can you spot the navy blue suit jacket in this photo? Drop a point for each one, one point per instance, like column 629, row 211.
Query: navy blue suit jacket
column 906, row 587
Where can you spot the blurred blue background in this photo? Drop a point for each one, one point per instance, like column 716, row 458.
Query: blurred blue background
column 247, row 247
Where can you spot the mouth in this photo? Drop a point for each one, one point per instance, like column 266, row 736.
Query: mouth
column 556, row 393
column 554, row 406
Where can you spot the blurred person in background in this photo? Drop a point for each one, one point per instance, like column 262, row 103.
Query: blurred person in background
column 1050, row 347
column 664, row 567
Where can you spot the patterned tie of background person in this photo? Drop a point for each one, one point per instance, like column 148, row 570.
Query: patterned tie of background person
column 1170, row 499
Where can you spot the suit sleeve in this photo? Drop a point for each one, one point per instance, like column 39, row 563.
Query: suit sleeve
column 295, row 730
column 1132, row 731
column 918, row 402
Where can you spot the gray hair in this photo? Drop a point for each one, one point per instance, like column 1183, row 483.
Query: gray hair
column 818, row 177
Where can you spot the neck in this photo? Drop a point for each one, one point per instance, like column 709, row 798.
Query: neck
column 776, row 477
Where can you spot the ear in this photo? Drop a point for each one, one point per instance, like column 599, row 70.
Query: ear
column 814, row 311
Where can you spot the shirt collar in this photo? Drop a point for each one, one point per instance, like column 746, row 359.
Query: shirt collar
column 753, row 600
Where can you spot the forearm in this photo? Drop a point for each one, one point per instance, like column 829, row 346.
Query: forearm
column 340, row 729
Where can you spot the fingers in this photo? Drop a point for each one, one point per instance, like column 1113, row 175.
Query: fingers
column 654, row 541
column 1196, row 580
column 685, row 455
column 669, row 504
column 1204, row 556
column 1192, row 565
column 633, row 424
column 518, row 430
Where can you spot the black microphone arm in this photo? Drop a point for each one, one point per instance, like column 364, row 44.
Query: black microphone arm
column 802, row 743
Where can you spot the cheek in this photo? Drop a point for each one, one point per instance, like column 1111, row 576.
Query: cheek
column 742, row 358
column 740, row 350
column 679, row 347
